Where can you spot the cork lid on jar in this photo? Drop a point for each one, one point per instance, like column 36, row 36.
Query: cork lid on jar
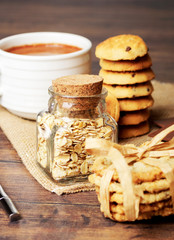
column 78, row 92
column 78, row 85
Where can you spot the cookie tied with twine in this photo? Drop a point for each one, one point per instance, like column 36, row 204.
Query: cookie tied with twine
column 134, row 183
column 78, row 92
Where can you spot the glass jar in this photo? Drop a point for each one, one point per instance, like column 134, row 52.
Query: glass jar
column 63, row 129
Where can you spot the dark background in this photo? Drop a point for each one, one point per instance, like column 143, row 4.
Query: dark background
column 97, row 20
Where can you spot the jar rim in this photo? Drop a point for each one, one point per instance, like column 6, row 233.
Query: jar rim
column 103, row 94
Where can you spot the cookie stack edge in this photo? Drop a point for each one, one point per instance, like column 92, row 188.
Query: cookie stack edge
column 126, row 69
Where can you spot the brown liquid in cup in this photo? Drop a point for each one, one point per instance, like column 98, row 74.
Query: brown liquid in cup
column 43, row 49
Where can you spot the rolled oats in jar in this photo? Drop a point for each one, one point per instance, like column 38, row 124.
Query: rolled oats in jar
column 76, row 111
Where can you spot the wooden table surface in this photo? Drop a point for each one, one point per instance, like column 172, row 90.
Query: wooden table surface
column 77, row 216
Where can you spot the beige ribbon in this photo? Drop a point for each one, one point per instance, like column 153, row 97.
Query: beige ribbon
column 158, row 138
column 121, row 157
column 104, row 193
column 125, row 176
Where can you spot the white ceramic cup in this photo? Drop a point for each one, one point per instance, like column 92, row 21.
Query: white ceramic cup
column 25, row 79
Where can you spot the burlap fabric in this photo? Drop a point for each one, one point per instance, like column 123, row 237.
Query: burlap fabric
column 22, row 135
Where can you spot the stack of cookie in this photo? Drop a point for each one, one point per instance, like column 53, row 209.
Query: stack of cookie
column 130, row 184
column 125, row 67
column 155, row 199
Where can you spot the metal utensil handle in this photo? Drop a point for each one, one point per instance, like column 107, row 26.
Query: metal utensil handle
column 8, row 206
